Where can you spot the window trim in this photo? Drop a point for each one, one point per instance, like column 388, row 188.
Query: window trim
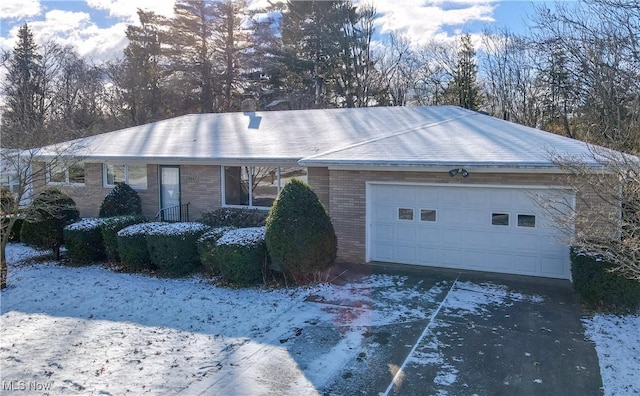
column 500, row 213
column 399, row 216
column 535, row 221
column 66, row 181
column 435, row 214
column 105, row 184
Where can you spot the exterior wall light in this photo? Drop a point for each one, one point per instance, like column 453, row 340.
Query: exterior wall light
column 455, row 171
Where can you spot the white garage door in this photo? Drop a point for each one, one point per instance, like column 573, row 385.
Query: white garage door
column 477, row 228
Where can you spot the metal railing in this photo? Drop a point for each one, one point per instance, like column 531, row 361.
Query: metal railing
column 174, row 214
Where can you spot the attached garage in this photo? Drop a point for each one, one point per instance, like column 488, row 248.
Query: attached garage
column 479, row 227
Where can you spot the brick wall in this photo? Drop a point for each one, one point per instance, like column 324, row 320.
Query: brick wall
column 200, row 186
column 347, row 200
column 319, row 182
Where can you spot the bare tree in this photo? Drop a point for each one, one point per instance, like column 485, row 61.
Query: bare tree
column 604, row 220
column 510, row 78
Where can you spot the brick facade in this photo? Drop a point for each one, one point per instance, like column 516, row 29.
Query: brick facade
column 319, row 180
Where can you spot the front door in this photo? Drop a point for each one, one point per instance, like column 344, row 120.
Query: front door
column 170, row 192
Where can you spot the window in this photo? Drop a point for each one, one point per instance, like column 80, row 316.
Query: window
column 59, row 174
column 427, row 215
column 405, row 214
column 500, row 219
column 133, row 175
column 257, row 186
column 526, row 221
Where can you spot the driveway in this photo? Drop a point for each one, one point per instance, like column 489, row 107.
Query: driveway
column 489, row 334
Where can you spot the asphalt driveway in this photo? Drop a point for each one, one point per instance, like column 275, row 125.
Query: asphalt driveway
column 531, row 343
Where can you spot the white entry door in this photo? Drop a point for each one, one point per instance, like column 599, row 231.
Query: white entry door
column 170, row 192
column 480, row 228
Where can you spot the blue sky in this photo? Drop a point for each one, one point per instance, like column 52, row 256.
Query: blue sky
column 96, row 27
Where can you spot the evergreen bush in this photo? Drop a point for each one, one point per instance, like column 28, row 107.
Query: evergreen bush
column 122, row 200
column 600, row 288
column 132, row 246
column 83, row 240
column 109, row 229
column 241, row 255
column 234, row 217
column 300, row 237
column 50, row 211
column 206, row 245
column 172, row 247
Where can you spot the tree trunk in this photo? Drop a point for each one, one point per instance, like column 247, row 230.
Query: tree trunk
column 3, row 264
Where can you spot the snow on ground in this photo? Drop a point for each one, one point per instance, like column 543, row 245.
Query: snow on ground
column 617, row 342
column 89, row 330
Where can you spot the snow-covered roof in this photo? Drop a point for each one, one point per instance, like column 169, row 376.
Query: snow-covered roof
column 375, row 136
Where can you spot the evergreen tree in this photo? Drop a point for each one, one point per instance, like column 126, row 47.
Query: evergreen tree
column 23, row 86
column 191, row 54
column 143, row 69
column 464, row 88
column 230, row 42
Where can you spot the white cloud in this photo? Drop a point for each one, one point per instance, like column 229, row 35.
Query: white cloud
column 75, row 29
column 128, row 9
column 423, row 21
column 16, row 9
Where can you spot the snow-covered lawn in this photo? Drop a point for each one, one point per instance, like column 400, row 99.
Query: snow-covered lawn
column 89, row 330
column 618, row 345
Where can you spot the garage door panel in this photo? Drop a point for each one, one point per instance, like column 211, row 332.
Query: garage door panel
column 383, row 251
column 525, row 264
column 554, row 267
column 384, row 212
column 461, row 234
column 406, row 234
column 429, row 237
column 383, row 233
column 406, row 253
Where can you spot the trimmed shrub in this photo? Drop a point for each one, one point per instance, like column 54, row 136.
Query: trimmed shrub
column 109, row 230
column 300, row 237
column 241, row 255
column 122, row 200
column 83, row 240
column 132, row 246
column 235, row 217
column 600, row 288
column 206, row 245
column 172, row 247
column 50, row 211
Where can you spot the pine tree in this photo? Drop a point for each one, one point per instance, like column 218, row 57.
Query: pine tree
column 23, row 86
column 191, row 53
column 230, row 41
column 464, row 88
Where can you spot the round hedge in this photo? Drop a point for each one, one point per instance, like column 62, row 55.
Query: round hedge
column 51, row 210
column 172, row 247
column 122, row 200
column 241, row 255
column 132, row 246
column 206, row 245
column 299, row 235
column 83, row 240
column 110, row 228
